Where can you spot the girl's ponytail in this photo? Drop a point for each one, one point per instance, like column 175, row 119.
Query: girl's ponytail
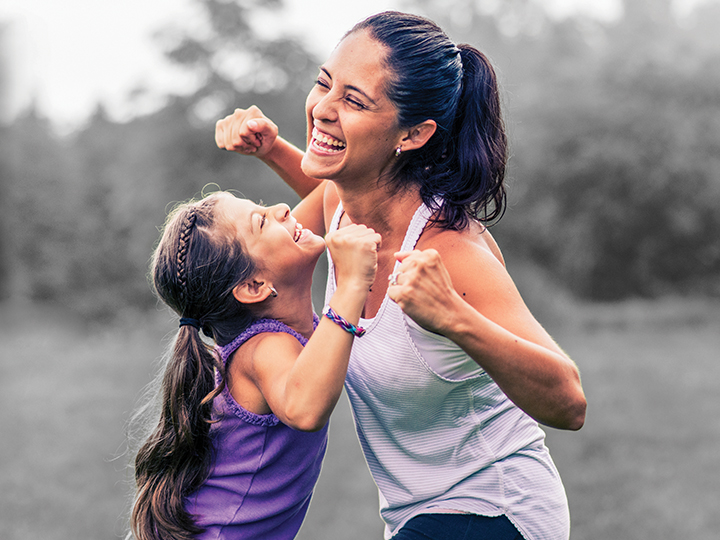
column 195, row 268
column 175, row 460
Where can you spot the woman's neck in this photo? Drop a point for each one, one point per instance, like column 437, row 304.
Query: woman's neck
column 387, row 212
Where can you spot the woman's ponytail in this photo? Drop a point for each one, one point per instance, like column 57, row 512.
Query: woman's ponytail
column 479, row 136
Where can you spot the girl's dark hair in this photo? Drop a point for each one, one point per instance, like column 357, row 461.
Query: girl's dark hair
column 463, row 163
column 195, row 268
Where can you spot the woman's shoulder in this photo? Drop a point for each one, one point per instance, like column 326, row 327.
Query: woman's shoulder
column 473, row 242
column 474, row 263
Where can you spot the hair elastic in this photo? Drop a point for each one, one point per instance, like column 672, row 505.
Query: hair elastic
column 342, row 323
column 189, row 321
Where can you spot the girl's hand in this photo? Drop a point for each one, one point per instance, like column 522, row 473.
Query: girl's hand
column 246, row 131
column 422, row 288
column 354, row 252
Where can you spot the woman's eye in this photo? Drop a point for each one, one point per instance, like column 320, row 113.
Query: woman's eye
column 354, row 102
column 321, row 82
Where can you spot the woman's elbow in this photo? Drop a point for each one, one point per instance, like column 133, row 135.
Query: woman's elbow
column 573, row 413
column 574, row 404
column 576, row 414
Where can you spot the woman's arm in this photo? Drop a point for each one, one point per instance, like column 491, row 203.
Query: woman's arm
column 460, row 289
column 250, row 132
column 302, row 385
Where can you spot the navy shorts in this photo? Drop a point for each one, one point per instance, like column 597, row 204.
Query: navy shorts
column 458, row 527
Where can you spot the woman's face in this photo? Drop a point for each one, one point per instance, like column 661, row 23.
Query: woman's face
column 353, row 126
column 274, row 239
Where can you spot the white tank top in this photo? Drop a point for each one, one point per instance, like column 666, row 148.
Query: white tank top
column 438, row 434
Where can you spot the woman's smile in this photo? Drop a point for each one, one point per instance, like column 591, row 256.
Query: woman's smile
column 354, row 125
column 325, row 142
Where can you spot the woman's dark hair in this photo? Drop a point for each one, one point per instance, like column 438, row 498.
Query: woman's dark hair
column 463, row 163
column 195, row 268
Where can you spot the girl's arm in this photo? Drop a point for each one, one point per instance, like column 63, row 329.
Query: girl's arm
column 460, row 289
column 302, row 385
column 250, row 132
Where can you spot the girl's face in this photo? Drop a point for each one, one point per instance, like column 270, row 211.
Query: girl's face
column 274, row 239
column 353, row 126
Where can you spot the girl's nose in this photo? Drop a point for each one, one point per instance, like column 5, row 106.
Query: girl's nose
column 281, row 211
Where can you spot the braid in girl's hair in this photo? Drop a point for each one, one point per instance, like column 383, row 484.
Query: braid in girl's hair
column 195, row 268
column 183, row 241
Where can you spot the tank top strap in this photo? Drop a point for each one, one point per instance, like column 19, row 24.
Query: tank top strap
column 417, row 224
column 258, row 327
column 335, row 223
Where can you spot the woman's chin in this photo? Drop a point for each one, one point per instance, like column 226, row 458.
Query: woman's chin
column 320, row 167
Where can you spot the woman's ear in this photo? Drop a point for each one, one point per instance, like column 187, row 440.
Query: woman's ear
column 252, row 292
column 418, row 135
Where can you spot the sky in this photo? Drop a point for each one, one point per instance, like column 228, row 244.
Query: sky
column 68, row 55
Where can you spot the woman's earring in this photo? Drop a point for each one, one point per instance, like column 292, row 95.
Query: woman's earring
column 398, row 151
column 273, row 292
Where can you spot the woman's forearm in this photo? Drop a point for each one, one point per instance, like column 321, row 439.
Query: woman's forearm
column 285, row 158
column 542, row 382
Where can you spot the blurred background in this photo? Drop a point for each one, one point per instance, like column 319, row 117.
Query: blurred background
column 612, row 234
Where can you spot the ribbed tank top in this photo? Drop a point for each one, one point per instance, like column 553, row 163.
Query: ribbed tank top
column 264, row 471
column 436, row 442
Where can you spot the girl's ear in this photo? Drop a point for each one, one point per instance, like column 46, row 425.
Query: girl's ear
column 251, row 292
column 418, row 135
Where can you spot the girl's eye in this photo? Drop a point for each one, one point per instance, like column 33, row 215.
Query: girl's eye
column 262, row 220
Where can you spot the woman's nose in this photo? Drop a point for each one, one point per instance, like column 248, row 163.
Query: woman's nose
column 325, row 108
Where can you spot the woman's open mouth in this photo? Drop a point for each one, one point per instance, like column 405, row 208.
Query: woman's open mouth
column 326, row 142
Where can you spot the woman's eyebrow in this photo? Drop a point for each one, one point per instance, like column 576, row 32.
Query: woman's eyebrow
column 351, row 87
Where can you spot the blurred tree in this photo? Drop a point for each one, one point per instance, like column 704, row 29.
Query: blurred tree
column 39, row 206
column 86, row 208
column 234, row 64
column 4, row 176
column 630, row 178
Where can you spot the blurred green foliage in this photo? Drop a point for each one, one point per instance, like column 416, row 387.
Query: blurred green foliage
column 614, row 173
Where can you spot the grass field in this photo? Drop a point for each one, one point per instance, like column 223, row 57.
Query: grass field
column 646, row 464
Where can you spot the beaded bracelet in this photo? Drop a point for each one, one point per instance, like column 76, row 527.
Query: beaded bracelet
column 343, row 323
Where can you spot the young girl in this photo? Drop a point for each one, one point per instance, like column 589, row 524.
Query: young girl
column 242, row 431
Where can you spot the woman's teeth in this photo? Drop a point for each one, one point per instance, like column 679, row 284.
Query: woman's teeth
column 329, row 142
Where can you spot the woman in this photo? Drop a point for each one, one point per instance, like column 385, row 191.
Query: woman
column 237, row 446
column 454, row 374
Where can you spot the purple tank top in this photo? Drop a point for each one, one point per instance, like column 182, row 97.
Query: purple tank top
column 264, row 472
